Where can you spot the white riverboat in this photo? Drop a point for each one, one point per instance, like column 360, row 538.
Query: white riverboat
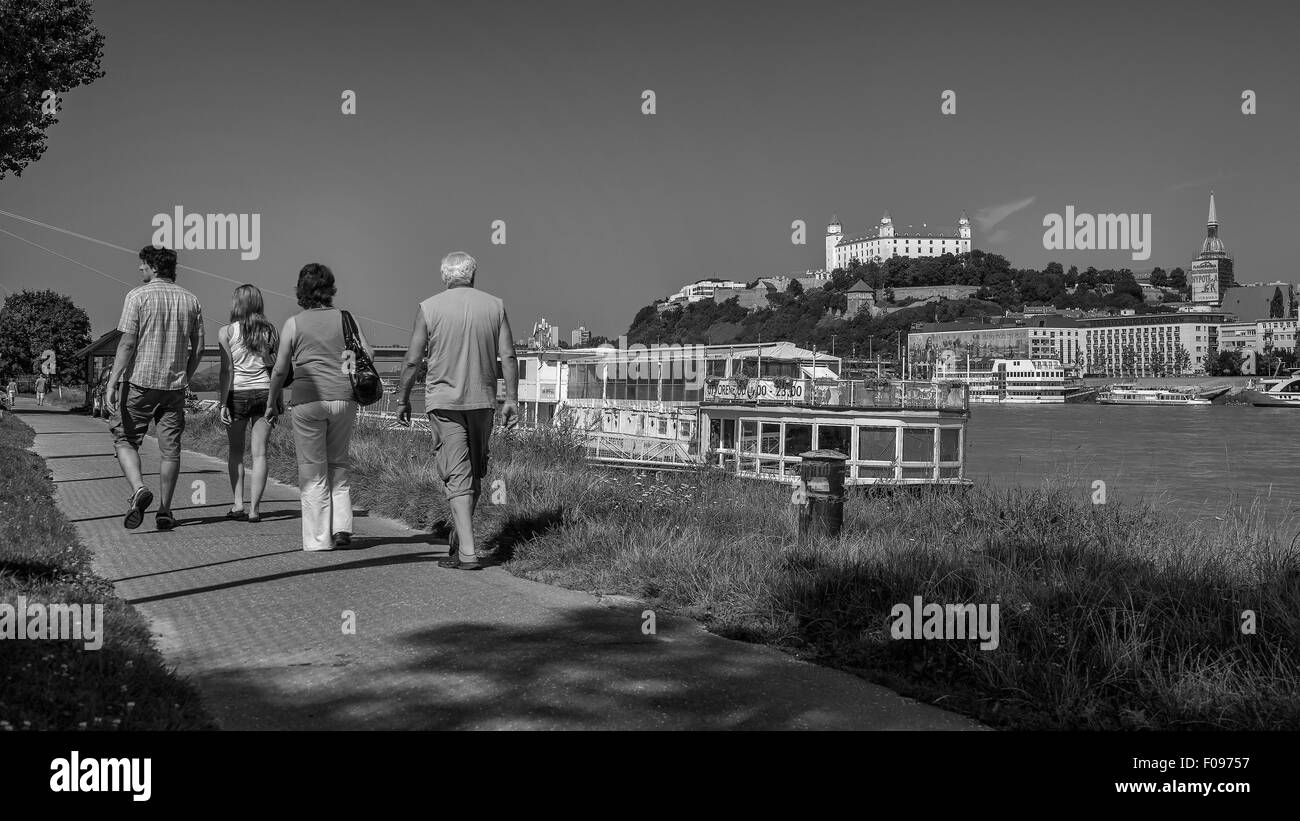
column 1134, row 395
column 1010, row 381
column 1274, row 393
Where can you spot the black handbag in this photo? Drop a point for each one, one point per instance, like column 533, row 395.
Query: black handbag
column 367, row 387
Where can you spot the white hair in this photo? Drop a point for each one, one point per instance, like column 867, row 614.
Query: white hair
column 458, row 268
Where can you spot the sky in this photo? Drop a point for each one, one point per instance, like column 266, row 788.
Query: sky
column 531, row 113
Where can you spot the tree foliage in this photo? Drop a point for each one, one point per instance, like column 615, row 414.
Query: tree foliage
column 45, row 45
column 31, row 322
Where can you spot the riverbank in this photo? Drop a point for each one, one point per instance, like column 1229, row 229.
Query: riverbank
column 1111, row 616
column 50, row 684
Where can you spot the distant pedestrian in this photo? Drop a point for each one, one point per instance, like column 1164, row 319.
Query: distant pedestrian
column 12, row 390
column 463, row 331
column 248, row 347
column 160, row 348
column 41, row 384
column 312, row 344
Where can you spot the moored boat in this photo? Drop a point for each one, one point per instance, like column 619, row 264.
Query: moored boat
column 1274, row 393
column 1134, row 395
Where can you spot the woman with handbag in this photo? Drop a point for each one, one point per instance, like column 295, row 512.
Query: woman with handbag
column 248, row 346
column 315, row 344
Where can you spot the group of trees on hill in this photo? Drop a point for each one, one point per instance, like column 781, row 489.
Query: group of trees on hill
column 817, row 316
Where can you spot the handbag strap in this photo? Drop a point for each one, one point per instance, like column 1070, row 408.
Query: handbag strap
column 350, row 332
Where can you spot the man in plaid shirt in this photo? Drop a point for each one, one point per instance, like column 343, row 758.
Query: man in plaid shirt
column 160, row 348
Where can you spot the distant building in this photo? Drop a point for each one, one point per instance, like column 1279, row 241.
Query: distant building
column 545, row 335
column 579, row 337
column 1253, row 302
column 751, row 299
column 859, row 297
column 701, row 290
column 1126, row 345
column 1272, row 334
column 935, row 291
column 1210, row 274
column 809, row 280
column 883, row 241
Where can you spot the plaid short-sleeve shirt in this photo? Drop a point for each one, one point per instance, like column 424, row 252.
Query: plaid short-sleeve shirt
column 168, row 323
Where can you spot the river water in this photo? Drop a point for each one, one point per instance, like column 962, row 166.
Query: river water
column 1191, row 460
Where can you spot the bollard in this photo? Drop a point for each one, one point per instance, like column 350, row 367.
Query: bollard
column 822, row 475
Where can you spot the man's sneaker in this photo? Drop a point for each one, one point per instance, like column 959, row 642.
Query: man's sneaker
column 138, row 504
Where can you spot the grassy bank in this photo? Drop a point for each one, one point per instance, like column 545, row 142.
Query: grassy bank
column 58, row 684
column 1111, row 616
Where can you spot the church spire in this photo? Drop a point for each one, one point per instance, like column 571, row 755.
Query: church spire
column 1213, row 245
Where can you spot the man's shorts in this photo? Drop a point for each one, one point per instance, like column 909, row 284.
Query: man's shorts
column 247, row 404
column 461, row 445
column 137, row 406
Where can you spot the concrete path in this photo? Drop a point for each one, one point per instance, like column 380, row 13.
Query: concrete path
column 256, row 623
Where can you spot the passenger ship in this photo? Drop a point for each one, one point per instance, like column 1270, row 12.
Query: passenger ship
column 1012, row 381
column 1274, row 393
column 1133, row 395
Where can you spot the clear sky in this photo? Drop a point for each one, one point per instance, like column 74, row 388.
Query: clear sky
column 530, row 112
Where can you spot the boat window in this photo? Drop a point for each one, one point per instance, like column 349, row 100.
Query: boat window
column 918, row 445
column 798, row 438
column 728, row 433
column 949, row 444
column 869, row 472
column 877, row 444
column 748, row 436
column 835, row 437
column 715, row 434
column 770, row 437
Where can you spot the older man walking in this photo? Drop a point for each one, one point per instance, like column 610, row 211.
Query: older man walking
column 160, row 348
column 463, row 332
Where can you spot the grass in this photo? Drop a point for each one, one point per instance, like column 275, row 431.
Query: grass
column 1112, row 617
column 58, row 684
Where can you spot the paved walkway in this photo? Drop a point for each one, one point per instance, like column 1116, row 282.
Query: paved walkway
column 256, row 623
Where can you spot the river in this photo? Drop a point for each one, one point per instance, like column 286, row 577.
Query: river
column 1192, row 460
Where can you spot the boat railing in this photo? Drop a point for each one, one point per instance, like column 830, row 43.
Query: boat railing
column 847, row 393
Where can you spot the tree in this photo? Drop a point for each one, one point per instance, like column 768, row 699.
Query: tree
column 795, row 288
column 1227, row 363
column 1178, row 279
column 1276, row 309
column 45, row 45
column 1182, row 360
column 33, row 321
column 1158, row 362
column 1128, row 361
column 1158, row 277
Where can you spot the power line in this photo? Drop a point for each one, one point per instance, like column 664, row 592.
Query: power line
column 68, row 259
column 83, row 265
column 46, row 225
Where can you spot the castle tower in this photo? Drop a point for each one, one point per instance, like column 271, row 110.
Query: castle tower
column 886, row 226
column 834, row 233
column 963, row 227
